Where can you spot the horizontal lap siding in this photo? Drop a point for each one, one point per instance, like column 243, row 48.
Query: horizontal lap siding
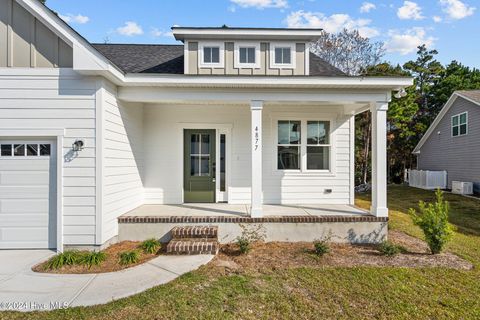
column 123, row 160
column 164, row 159
column 68, row 102
column 459, row 156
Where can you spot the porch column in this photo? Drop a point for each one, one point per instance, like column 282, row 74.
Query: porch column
column 379, row 159
column 256, row 210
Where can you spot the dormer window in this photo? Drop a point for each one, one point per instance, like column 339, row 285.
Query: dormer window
column 282, row 55
column 247, row 54
column 211, row 55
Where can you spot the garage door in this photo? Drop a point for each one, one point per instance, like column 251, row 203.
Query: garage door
column 27, row 195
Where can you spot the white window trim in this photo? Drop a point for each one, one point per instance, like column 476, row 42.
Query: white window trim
column 220, row 45
column 303, row 145
column 236, row 54
column 293, row 53
column 466, row 123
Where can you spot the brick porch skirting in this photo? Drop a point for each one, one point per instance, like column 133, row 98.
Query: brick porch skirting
column 226, row 219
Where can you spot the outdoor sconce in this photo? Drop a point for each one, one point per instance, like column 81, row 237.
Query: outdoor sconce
column 400, row 93
column 78, row 145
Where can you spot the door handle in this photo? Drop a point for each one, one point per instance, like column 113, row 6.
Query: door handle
column 214, row 180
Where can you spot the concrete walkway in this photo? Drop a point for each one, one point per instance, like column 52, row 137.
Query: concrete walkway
column 21, row 289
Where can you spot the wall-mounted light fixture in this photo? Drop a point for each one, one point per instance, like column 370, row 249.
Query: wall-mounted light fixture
column 401, row 93
column 78, row 145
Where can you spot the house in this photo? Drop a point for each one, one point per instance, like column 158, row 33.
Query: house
column 101, row 142
column 451, row 143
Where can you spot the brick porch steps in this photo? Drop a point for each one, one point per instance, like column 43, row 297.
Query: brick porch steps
column 190, row 240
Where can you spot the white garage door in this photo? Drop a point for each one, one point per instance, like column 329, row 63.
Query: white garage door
column 27, row 195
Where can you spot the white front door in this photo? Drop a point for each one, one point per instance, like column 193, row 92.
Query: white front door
column 27, row 194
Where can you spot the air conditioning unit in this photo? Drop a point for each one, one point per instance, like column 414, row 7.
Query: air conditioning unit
column 461, row 187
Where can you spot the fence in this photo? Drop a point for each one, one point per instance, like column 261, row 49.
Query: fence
column 425, row 179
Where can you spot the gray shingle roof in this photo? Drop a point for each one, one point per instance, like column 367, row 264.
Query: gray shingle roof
column 471, row 94
column 168, row 59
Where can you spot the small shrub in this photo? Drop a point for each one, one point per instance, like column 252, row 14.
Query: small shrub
column 432, row 218
column 66, row 258
column 129, row 257
column 321, row 247
column 389, row 249
column 150, row 246
column 250, row 233
column 93, row 258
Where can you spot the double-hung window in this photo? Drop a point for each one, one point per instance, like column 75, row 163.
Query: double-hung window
column 459, row 124
column 303, row 145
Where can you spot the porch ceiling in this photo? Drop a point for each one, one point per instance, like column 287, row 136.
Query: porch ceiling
column 231, row 210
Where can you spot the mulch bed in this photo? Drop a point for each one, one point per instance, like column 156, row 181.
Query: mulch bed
column 282, row 255
column 110, row 264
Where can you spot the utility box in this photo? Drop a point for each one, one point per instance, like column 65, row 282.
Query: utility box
column 461, row 187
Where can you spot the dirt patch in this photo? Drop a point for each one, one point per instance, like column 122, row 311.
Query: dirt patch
column 283, row 255
column 110, row 264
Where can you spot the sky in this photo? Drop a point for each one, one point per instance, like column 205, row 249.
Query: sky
column 450, row 26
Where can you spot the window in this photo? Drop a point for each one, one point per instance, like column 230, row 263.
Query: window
column 312, row 152
column 223, row 143
column 247, row 55
column 22, row 150
column 459, row 124
column 283, row 55
column 289, row 140
column 318, row 148
column 211, row 55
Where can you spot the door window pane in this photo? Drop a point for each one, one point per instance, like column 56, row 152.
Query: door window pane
column 222, row 162
column 205, row 148
column 204, row 166
column 195, row 144
column 6, row 150
column 318, row 132
column 32, row 149
column 318, row 158
column 289, row 158
column 19, row 150
column 44, row 149
column 194, row 166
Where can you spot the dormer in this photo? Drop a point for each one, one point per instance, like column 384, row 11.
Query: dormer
column 246, row 51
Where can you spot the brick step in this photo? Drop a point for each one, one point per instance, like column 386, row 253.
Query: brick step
column 197, row 232
column 193, row 246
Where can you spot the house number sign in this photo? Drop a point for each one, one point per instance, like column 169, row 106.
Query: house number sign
column 257, row 137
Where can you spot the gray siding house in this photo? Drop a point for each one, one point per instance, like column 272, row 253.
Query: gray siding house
column 452, row 143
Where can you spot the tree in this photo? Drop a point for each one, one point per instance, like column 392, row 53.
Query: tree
column 348, row 51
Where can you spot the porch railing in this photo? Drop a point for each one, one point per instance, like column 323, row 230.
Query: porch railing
column 426, row 179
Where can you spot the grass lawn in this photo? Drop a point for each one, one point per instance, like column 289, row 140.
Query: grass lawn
column 336, row 293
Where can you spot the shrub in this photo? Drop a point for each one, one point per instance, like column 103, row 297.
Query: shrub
column 129, row 257
column 243, row 244
column 66, row 258
column 432, row 218
column 150, row 246
column 250, row 233
column 93, row 258
column 389, row 249
column 321, row 247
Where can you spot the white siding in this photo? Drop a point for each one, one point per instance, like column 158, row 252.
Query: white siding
column 59, row 99
column 122, row 160
column 164, row 155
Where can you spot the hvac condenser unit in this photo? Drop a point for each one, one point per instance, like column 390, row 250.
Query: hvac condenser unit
column 461, row 187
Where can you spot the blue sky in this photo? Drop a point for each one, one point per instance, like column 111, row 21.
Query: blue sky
column 450, row 26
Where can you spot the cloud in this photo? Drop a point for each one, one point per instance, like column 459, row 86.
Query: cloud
column 367, row 7
column 437, row 19
column 331, row 24
column 408, row 41
column 261, row 4
column 410, row 11
column 155, row 32
column 72, row 18
column 130, row 28
column 456, row 9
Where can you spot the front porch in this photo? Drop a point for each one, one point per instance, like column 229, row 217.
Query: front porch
column 294, row 223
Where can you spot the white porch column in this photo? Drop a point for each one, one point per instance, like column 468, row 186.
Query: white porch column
column 256, row 210
column 379, row 159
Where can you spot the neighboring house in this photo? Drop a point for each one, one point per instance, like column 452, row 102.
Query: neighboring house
column 452, row 142
column 244, row 116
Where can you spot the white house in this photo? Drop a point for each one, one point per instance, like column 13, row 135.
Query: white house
column 238, row 118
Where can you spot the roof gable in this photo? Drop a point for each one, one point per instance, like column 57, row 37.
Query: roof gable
column 471, row 95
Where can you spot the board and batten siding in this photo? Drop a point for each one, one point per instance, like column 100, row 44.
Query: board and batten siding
column 459, row 156
column 164, row 155
column 122, row 160
column 25, row 42
column 59, row 98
